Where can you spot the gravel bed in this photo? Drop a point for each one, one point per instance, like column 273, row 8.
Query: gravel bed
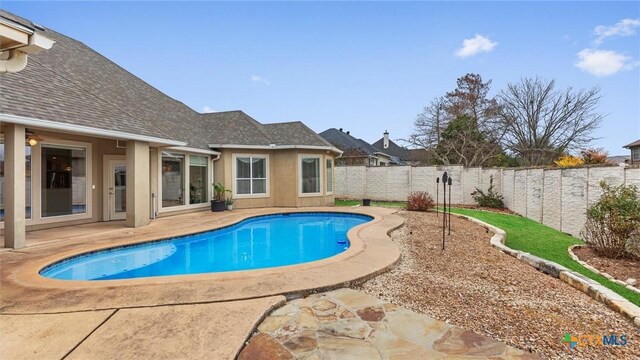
column 477, row 287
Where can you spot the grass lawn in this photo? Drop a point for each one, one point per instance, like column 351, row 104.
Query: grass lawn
column 542, row 241
column 394, row 204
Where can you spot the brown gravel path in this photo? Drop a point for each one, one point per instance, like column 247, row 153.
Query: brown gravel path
column 475, row 286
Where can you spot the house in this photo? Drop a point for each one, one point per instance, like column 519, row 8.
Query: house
column 83, row 140
column 620, row 160
column 356, row 151
column 404, row 155
column 635, row 152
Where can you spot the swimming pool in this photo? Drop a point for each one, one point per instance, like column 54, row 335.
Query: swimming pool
column 254, row 243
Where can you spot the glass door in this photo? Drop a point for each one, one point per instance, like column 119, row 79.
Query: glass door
column 117, row 190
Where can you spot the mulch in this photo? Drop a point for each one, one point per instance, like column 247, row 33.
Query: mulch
column 620, row 269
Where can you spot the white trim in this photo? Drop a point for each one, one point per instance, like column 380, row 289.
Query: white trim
column 16, row 26
column 234, row 180
column 320, row 174
column 193, row 150
column 276, row 147
column 86, row 130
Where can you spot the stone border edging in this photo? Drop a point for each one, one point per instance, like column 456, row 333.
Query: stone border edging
column 591, row 268
column 590, row 287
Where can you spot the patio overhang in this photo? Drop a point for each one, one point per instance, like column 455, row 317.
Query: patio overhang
column 87, row 130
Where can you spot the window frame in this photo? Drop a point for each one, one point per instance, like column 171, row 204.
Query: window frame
column 207, row 180
column 635, row 153
column 321, row 174
column 187, row 174
column 329, row 160
column 36, row 181
column 234, row 178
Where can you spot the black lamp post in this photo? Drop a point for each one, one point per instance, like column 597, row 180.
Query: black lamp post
column 445, row 179
column 449, row 222
column 437, row 194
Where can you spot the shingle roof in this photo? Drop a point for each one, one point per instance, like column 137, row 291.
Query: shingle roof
column 617, row 159
column 295, row 133
column 238, row 128
column 393, row 149
column 71, row 83
column 346, row 142
column 633, row 144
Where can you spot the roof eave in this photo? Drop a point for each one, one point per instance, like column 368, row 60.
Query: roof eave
column 276, row 147
column 87, row 130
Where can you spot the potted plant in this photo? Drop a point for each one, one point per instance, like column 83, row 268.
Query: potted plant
column 217, row 204
column 229, row 202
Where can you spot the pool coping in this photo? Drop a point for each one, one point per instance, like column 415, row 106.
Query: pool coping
column 371, row 252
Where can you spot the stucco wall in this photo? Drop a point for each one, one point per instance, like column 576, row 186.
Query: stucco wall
column 283, row 178
column 555, row 197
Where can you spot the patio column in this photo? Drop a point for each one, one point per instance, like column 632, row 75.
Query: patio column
column 137, row 183
column 14, row 186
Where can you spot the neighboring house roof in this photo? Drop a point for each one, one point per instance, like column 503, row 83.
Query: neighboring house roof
column 618, row 159
column 348, row 143
column 633, row 144
column 400, row 152
column 74, row 85
column 393, row 149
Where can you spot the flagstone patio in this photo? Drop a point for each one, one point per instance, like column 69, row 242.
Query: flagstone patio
column 347, row 324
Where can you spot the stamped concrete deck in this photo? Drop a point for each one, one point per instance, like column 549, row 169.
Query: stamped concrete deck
column 189, row 316
column 347, row 324
column 211, row 316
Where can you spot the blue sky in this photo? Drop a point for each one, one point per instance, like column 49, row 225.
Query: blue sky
column 362, row 66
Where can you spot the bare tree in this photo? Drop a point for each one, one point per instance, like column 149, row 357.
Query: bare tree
column 463, row 127
column 428, row 127
column 542, row 123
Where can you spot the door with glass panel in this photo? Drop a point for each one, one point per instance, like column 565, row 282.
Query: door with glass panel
column 117, row 190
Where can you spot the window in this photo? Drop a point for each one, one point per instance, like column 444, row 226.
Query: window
column 27, row 180
column 172, row 179
column 250, row 175
column 310, row 175
column 64, row 180
column 635, row 154
column 198, row 179
column 329, row 172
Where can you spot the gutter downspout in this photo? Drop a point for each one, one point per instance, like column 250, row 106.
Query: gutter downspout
column 15, row 61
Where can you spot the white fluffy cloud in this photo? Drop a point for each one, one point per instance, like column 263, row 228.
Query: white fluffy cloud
column 475, row 45
column 603, row 62
column 207, row 109
column 625, row 27
column 257, row 79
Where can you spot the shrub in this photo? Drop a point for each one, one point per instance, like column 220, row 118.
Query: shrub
column 490, row 198
column 419, row 201
column 568, row 161
column 593, row 156
column 613, row 222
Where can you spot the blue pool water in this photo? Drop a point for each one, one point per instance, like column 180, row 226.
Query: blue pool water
column 259, row 242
